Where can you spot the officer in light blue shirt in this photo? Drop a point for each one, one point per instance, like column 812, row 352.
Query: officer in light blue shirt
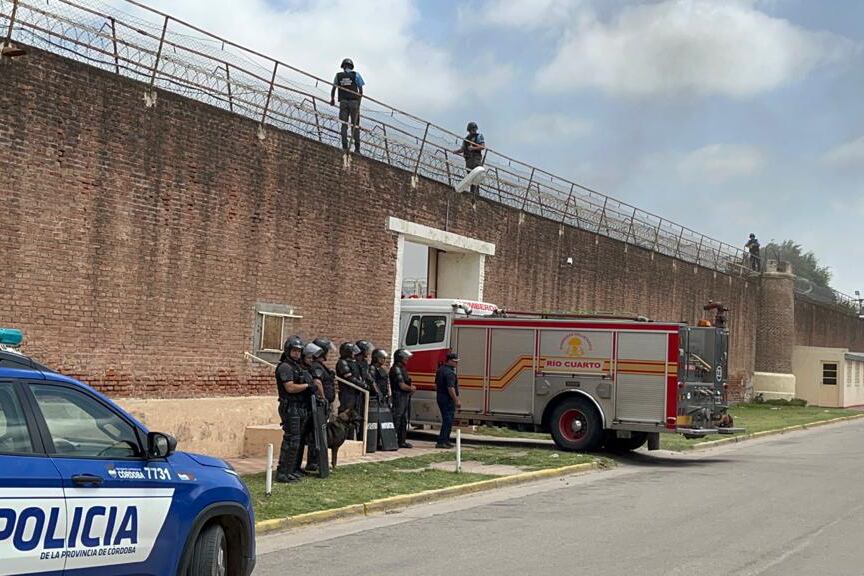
column 350, row 85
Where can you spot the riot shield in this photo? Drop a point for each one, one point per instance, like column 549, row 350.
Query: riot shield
column 319, row 423
column 386, row 429
column 372, row 426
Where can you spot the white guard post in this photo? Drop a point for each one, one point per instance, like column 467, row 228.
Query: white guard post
column 268, row 482
column 458, row 450
column 473, row 178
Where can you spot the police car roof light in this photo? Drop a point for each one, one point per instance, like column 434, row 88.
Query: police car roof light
column 11, row 336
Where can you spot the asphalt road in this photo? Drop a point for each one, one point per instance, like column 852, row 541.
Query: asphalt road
column 785, row 506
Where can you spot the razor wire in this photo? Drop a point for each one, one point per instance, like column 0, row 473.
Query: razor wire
column 168, row 54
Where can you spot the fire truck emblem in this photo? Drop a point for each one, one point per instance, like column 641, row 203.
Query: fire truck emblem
column 575, row 345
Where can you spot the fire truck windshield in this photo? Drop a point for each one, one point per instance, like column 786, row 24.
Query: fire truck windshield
column 701, row 351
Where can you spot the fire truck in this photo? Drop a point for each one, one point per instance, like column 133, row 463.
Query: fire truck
column 591, row 381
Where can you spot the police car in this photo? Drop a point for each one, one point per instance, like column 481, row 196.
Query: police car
column 86, row 489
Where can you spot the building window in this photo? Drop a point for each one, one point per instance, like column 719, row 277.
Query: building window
column 274, row 330
column 829, row 373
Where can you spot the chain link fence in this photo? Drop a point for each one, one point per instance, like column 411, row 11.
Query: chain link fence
column 167, row 54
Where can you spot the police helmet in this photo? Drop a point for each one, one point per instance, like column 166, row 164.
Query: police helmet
column 313, row 350
column 379, row 354
column 324, row 343
column 348, row 350
column 752, row 236
column 347, row 63
column 365, row 346
column 291, row 343
column 401, row 355
column 472, row 126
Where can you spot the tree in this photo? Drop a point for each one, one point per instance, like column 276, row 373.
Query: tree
column 804, row 264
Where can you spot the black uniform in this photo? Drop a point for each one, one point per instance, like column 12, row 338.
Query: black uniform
column 365, row 370
column 349, row 398
column 401, row 401
column 294, row 415
column 382, row 383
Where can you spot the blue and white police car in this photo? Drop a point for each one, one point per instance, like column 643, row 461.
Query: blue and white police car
column 86, row 489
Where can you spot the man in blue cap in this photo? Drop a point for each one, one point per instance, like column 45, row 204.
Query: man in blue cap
column 447, row 395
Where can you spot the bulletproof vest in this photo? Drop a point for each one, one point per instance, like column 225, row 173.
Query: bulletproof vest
column 343, row 369
column 470, row 152
column 299, row 376
column 395, row 373
column 280, row 372
column 363, row 370
column 379, row 373
column 320, row 371
column 347, row 82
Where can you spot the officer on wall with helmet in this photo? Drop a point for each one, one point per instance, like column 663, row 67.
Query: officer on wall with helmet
column 402, row 389
column 472, row 150
column 350, row 85
column 347, row 369
column 294, row 384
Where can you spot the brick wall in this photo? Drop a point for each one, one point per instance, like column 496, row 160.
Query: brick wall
column 829, row 326
column 137, row 241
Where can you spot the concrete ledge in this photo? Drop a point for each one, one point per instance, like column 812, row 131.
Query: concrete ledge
column 754, row 435
column 382, row 505
column 774, row 386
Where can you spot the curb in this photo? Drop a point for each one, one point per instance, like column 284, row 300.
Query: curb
column 755, row 435
column 383, row 505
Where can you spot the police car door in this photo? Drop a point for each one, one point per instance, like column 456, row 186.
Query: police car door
column 31, row 495
column 116, row 501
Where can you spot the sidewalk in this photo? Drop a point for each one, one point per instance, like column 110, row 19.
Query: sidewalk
column 245, row 466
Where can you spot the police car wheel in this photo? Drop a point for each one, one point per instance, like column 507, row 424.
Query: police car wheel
column 576, row 426
column 210, row 557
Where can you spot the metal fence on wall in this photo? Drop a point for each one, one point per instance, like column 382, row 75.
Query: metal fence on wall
column 167, row 54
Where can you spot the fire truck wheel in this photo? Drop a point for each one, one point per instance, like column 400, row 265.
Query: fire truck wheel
column 576, row 425
column 615, row 444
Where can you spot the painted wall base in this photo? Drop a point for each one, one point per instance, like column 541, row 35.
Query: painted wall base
column 774, row 386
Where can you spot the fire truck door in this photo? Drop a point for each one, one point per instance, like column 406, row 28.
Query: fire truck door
column 641, row 377
column 511, row 371
column 470, row 343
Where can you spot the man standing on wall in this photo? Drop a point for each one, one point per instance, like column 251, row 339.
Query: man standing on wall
column 350, row 86
column 472, row 150
column 400, row 385
column 753, row 246
column 447, row 395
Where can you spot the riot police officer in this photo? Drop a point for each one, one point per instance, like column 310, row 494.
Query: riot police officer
column 294, row 385
column 402, row 389
column 325, row 374
column 363, row 365
column 347, row 369
column 312, row 362
column 380, row 376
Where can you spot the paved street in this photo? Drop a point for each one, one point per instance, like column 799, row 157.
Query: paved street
column 785, row 506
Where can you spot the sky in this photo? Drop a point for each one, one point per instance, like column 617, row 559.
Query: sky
column 727, row 116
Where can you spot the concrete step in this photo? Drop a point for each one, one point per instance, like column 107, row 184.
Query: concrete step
column 257, row 437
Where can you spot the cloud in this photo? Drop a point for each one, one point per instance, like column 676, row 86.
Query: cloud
column 847, row 155
column 315, row 35
column 518, row 14
column 688, row 46
column 720, row 162
column 550, row 128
